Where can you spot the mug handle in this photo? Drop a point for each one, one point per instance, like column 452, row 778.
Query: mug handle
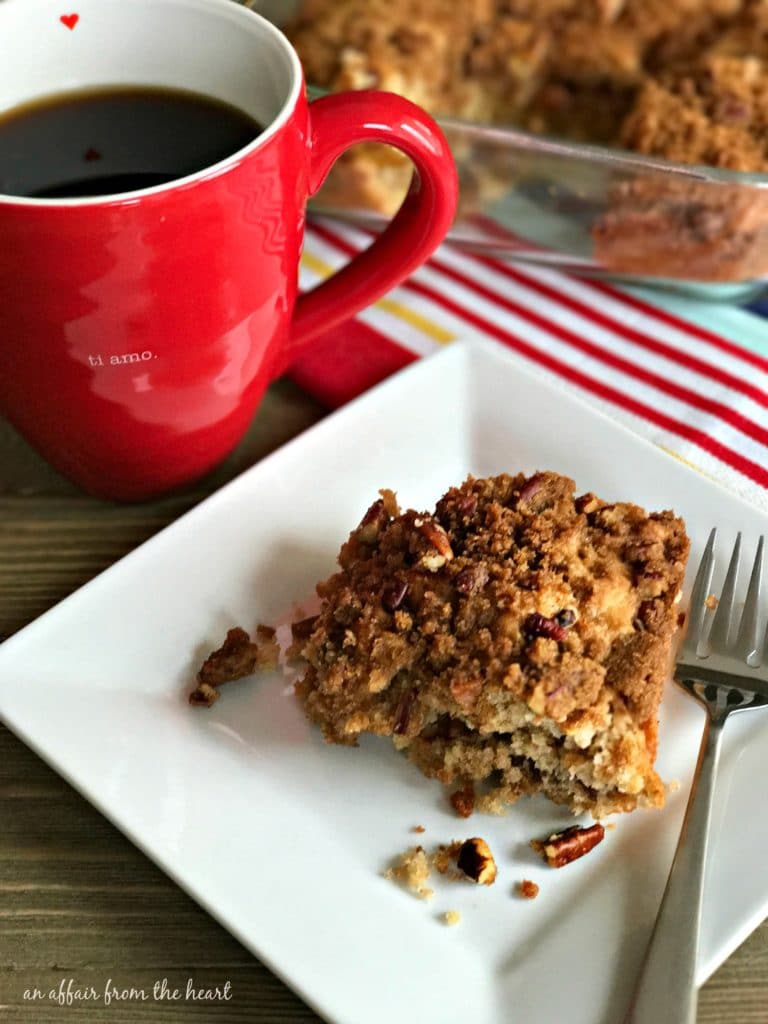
column 336, row 123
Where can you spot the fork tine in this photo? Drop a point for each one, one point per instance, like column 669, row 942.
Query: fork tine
column 719, row 635
column 748, row 642
column 701, row 585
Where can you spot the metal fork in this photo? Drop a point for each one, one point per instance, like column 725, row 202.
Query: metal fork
column 725, row 671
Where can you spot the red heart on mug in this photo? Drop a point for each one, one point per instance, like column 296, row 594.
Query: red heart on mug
column 70, row 20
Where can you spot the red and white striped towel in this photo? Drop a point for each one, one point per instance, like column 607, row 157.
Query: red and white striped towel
column 697, row 394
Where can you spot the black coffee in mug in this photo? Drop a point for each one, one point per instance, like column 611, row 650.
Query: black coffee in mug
column 110, row 140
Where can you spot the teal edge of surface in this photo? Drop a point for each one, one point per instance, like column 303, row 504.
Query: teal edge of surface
column 747, row 326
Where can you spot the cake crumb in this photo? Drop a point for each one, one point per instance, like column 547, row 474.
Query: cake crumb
column 673, row 786
column 491, row 803
column 443, row 858
column 412, row 870
column 528, row 889
column 463, row 800
column 611, row 825
column 268, row 656
column 238, row 657
column 418, row 828
column 712, row 602
column 389, row 501
column 451, row 917
column 456, row 862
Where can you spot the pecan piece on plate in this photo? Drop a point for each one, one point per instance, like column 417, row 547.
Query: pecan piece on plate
column 476, row 861
column 563, row 847
column 203, row 696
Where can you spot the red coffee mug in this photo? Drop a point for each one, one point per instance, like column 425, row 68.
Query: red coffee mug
column 139, row 331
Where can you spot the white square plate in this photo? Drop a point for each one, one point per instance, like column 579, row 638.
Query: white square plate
column 282, row 838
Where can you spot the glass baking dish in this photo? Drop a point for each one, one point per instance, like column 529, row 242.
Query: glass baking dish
column 575, row 207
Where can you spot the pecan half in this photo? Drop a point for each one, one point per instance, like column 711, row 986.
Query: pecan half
column 531, row 487
column 563, row 847
column 471, row 579
column 375, row 513
column 403, row 712
column 304, row 628
column 476, row 861
column 437, row 538
column 467, row 505
column 374, row 520
column 540, row 625
column 394, row 595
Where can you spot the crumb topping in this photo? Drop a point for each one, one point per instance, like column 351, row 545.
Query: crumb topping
column 411, row 869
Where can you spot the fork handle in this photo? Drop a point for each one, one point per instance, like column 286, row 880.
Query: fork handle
column 666, row 992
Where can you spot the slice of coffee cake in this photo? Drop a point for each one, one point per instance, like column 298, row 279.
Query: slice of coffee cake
column 518, row 635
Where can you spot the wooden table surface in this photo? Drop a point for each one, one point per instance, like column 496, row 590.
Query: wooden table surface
column 79, row 905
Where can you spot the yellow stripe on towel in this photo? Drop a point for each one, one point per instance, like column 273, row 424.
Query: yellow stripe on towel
column 387, row 305
column 687, row 462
